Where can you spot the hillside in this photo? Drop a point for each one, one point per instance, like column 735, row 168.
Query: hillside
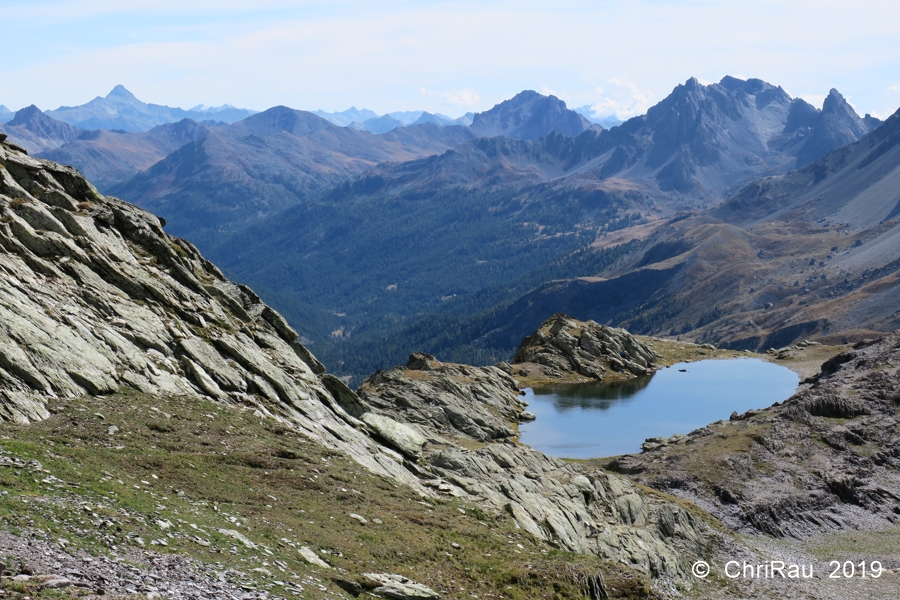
column 125, row 355
column 266, row 163
column 111, row 157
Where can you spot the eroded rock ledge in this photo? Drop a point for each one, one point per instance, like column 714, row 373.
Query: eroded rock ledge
column 564, row 347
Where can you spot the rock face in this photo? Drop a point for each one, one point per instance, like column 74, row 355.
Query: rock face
column 457, row 408
column 563, row 345
column 828, row 458
column 479, row 402
column 96, row 296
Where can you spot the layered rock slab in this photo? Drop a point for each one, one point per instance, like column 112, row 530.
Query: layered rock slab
column 95, row 295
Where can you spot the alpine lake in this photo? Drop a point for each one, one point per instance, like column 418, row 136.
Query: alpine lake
column 598, row 419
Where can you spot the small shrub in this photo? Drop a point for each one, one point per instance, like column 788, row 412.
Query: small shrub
column 17, row 202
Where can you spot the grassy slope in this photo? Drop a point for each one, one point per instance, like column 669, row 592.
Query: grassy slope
column 216, row 467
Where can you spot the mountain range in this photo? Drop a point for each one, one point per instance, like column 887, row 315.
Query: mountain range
column 121, row 110
column 368, row 120
column 469, row 227
column 814, row 252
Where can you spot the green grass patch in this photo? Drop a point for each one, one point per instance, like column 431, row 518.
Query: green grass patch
column 180, row 476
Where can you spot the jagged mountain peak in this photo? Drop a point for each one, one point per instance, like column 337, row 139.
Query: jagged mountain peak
column 836, row 124
column 120, row 92
column 836, row 104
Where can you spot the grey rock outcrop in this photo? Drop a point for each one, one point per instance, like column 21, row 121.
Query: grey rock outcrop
column 564, row 345
column 96, row 296
column 468, row 414
column 457, row 400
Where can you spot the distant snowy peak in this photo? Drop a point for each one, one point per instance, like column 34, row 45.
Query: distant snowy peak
column 367, row 120
column 202, row 108
column 347, row 117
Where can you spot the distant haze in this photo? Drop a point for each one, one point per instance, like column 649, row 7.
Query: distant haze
column 617, row 57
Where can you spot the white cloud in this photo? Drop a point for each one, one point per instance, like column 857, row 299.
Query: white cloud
column 621, row 99
column 317, row 54
column 551, row 92
column 464, row 98
column 816, row 100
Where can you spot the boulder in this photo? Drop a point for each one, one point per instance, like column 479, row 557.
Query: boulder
column 399, row 587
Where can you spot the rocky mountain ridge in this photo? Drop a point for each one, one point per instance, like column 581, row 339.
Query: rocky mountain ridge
column 97, row 296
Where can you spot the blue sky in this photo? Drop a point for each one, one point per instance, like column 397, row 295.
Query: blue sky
column 448, row 57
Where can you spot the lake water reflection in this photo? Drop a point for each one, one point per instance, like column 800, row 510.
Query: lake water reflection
column 604, row 419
